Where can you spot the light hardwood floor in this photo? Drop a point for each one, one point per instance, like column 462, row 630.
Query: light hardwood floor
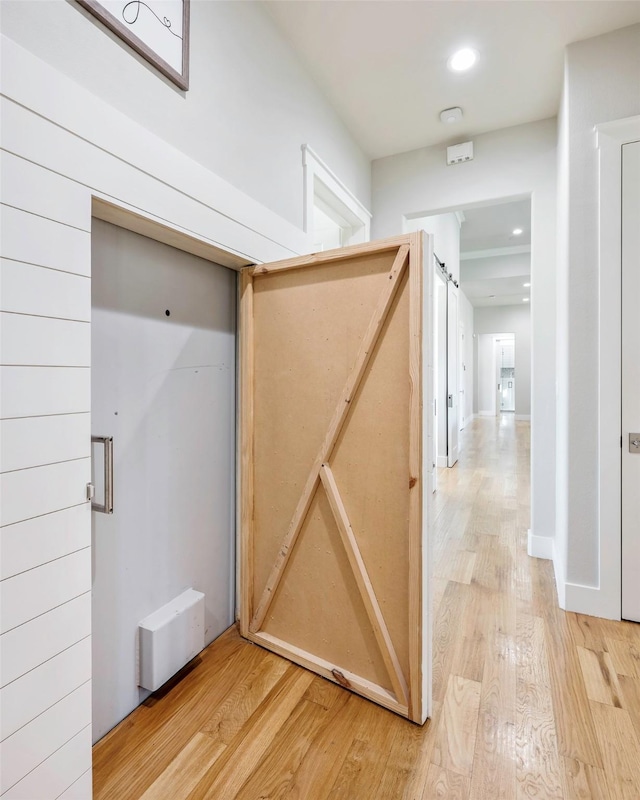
column 529, row 702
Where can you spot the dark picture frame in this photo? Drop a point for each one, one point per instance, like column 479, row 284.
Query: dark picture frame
column 181, row 79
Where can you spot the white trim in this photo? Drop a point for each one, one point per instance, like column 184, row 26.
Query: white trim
column 427, row 488
column 495, row 251
column 539, row 546
column 441, row 461
column 588, row 600
column 606, row 601
column 523, row 417
column 124, row 216
column 459, row 215
column 559, row 573
column 320, row 181
column 486, row 413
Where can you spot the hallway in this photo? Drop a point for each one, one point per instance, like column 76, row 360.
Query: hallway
column 528, row 701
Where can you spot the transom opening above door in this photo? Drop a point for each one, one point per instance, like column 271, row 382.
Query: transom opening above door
column 333, row 216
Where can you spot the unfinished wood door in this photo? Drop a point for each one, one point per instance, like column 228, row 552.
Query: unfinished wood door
column 332, row 555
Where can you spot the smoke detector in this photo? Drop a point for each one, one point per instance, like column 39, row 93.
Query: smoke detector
column 458, row 153
column 450, row 115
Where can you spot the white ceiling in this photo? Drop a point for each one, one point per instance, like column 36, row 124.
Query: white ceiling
column 495, row 264
column 491, row 227
column 382, row 64
column 496, row 292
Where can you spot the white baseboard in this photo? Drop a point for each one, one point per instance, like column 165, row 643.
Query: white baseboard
column 441, row 461
column 558, row 571
column 523, row 417
column 589, row 600
column 581, row 599
column 539, row 546
column 486, row 413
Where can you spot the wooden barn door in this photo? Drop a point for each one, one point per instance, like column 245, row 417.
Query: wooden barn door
column 332, row 556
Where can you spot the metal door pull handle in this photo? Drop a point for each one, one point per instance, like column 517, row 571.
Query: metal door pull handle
column 107, row 508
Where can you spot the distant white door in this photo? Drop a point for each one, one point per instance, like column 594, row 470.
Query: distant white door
column 453, row 426
column 163, row 386
column 505, row 373
column 441, row 370
column 631, row 381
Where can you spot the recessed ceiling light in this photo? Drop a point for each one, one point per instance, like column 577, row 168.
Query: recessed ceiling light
column 525, row 299
column 450, row 115
column 526, row 285
column 462, row 60
column 516, row 231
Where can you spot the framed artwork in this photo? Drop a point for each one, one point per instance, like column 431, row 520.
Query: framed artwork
column 156, row 29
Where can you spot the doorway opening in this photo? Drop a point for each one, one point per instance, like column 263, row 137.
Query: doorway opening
column 163, row 391
column 480, row 285
column 496, row 374
column 506, row 374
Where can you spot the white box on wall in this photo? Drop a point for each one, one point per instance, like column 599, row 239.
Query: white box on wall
column 170, row 638
column 458, row 153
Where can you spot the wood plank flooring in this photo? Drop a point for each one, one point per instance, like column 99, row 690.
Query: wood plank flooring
column 529, row 701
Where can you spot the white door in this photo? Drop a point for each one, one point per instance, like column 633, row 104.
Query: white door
column 631, row 381
column 163, row 386
column 453, row 427
column 440, row 371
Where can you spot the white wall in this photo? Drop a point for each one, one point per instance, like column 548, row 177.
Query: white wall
column 484, row 389
column 513, row 162
column 601, row 84
column 516, row 320
column 111, row 128
column 250, row 104
column 446, row 238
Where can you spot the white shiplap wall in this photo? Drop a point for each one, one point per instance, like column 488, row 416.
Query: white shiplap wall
column 61, row 147
column 45, row 308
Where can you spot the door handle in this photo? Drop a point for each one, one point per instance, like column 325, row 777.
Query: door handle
column 107, row 507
